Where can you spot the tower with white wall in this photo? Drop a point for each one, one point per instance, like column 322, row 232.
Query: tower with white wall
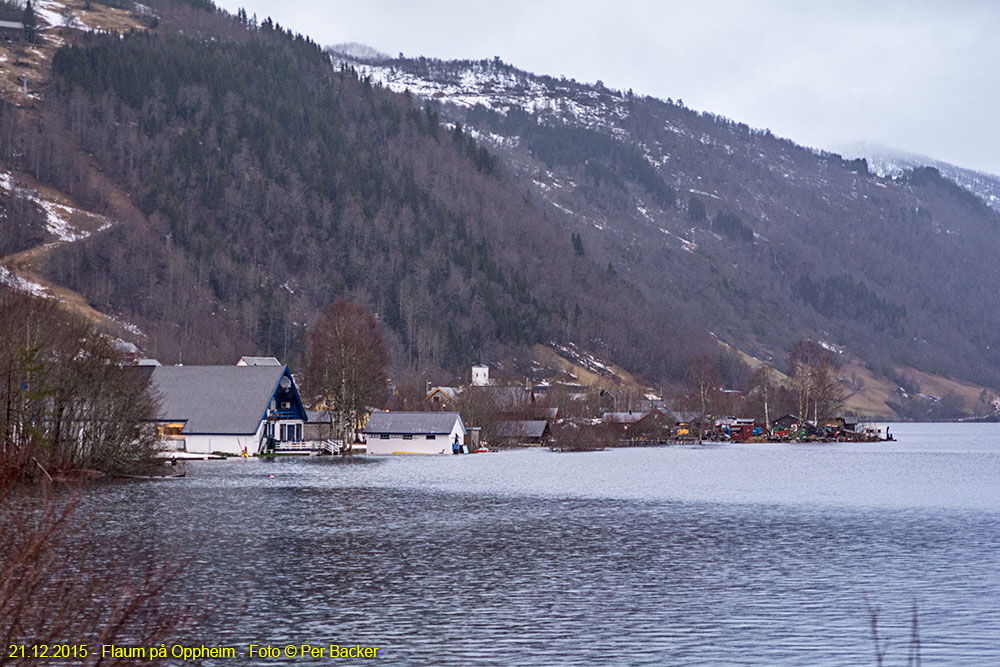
column 480, row 375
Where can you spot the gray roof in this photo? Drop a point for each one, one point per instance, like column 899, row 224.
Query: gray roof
column 12, row 24
column 215, row 399
column 404, row 423
column 521, row 429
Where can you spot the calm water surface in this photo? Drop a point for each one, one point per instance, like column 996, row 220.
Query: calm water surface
column 721, row 554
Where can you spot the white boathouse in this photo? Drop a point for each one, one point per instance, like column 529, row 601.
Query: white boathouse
column 414, row 432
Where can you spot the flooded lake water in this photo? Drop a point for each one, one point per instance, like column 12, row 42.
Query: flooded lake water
column 719, row 554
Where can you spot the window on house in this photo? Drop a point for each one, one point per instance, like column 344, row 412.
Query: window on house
column 408, row 436
column 431, row 437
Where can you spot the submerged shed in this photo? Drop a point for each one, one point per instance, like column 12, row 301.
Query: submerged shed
column 414, row 432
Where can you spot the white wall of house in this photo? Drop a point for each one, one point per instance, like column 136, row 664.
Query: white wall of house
column 418, row 443
column 234, row 444
column 228, row 444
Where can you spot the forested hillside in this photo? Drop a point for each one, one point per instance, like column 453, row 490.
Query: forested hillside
column 747, row 235
column 222, row 180
column 270, row 183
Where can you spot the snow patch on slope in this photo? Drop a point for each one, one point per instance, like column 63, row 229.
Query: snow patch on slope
column 891, row 163
column 56, row 214
column 493, row 86
column 11, row 279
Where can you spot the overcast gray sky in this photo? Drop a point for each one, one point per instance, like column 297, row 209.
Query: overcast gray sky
column 917, row 76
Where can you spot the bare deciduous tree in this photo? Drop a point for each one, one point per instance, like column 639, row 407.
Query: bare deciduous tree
column 762, row 390
column 347, row 365
column 704, row 385
column 480, row 409
column 815, row 380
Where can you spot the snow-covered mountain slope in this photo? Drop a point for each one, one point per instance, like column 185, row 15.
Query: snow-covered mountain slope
column 746, row 234
column 491, row 84
column 890, row 162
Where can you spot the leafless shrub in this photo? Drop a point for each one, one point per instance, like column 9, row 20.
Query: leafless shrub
column 572, row 437
column 66, row 402
column 49, row 595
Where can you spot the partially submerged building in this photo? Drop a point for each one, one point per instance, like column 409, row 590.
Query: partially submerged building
column 414, row 432
column 227, row 409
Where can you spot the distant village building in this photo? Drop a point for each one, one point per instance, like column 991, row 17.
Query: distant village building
column 480, row 375
column 227, row 409
column 622, row 417
column 738, row 429
column 11, row 31
column 522, row 432
column 503, row 399
column 650, row 424
column 873, row 430
column 442, row 398
column 786, row 422
column 413, row 432
column 319, row 426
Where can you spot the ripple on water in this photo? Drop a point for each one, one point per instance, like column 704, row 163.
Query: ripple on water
column 726, row 555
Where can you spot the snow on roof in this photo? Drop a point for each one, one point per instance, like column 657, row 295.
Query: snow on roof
column 622, row 417
column 258, row 361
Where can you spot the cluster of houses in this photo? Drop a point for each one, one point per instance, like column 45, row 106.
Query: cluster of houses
column 788, row 428
column 254, row 407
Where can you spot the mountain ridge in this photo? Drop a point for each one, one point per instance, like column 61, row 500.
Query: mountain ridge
column 786, row 182
column 535, row 209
